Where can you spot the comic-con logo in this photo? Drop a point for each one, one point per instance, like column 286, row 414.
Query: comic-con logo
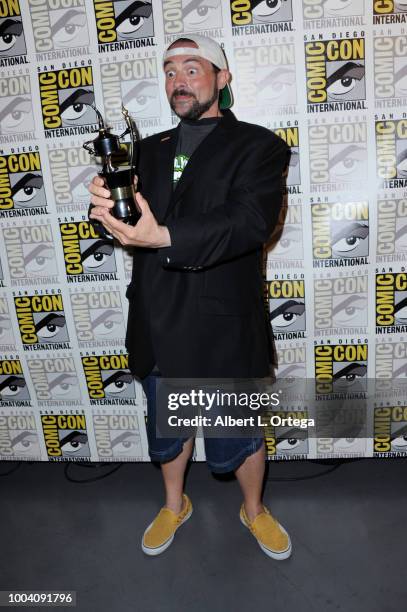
column 123, row 24
column 88, row 256
column 261, row 16
column 340, row 305
column 287, row 307
column 391, row 302
column 391, row 365
column 391, row 152
column 390, row 431
column 203, row 16
column 391, row 229
column 108, row 379
column 31, row 254
column 59, row 28
column 55, row 380
column 291, row 361
column 16, row 114
column 13, row 49
column 285, row 441
column 21, row 185
column 134, row 83
column 390, row 74
column 340, row 233
column 13, row 385
column 42, row 322
column 266, row 77
column 98, row 318
column 65, row 437
column 67, row 101
column 117, row 435
column 340, row 369
column 290, row 135
column 389, row 11
column 337, row 156
column 285, row 247
column 19, row 438
column 71, row 174
column 335, row 74
column 7, row 341
column 341, row 427
column 327, row 13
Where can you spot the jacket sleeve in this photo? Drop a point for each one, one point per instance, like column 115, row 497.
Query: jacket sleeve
column 240, row 224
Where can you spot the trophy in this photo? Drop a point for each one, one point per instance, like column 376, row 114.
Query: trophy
column 119, row 178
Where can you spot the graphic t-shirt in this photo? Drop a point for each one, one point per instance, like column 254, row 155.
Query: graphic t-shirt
column 191, row 134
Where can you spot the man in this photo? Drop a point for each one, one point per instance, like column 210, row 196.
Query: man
column 212, row 191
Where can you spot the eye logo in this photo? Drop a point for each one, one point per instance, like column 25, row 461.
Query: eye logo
column 391, row 302
column 42, row 321
column 98, row 317
column 117, row 435
column 260, row 11
column 340, row 231
column 121, row 24
column 287, row 307
column 59, row 29
column 86, row 253
column 390, row 430
column 22, row 182
column 341, row 368
column 108, row 378
column 13, row 386
column 16, row 115
column 67, row 101
column 31, row 253
column 65, row 436
column 135, row 82
column 390, row 68
column 335, row 73
column 391, row 152
column 340, row 304
column 337, row 155
column 12, row 41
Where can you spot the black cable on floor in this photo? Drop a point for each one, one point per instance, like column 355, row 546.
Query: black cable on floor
column 69, row 465
column 12, row 469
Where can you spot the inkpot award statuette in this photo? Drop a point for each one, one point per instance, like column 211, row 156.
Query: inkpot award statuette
column 117, row 168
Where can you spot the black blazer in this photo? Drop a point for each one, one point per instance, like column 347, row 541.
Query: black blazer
column 197, row 308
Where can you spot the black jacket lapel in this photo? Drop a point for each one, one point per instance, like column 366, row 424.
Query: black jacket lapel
column 166, row 154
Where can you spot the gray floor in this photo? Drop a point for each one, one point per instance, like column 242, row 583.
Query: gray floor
column 348, row 531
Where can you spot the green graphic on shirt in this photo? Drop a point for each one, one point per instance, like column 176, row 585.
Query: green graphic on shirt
column 180, row 161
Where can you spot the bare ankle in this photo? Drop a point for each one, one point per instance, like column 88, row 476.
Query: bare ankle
column 252, row 509
column 175, row 505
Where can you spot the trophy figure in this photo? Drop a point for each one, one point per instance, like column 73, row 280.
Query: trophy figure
column 119, row 178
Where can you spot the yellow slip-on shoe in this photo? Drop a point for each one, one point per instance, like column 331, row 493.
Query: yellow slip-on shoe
column 160, row 533
column 270, row 535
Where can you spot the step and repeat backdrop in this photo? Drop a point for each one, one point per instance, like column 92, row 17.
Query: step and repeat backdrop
column 330, row 78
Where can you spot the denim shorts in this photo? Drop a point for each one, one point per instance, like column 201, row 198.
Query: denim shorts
column 222, row 454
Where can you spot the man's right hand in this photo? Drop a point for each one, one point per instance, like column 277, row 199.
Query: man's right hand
column 100, row 194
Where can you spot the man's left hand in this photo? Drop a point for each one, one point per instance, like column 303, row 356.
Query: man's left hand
column 146, row 233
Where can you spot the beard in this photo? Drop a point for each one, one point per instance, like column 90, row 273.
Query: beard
column 197, row 109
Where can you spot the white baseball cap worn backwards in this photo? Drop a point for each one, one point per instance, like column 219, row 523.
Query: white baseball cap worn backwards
column 208, row 49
